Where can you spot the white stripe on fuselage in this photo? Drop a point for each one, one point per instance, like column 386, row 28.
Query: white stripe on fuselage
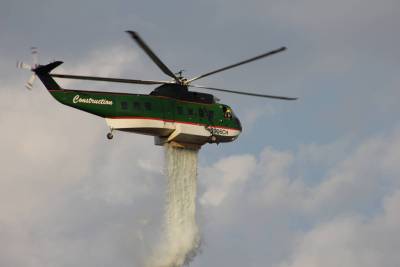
column 158, row 127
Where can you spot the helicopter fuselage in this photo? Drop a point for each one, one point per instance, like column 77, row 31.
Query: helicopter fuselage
column 167, row 119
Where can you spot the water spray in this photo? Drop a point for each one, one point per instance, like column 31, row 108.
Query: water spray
column 181, row 238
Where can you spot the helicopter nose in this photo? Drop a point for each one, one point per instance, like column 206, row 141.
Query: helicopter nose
column 239, row 125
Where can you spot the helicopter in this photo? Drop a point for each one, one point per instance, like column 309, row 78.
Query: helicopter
column 171, row 112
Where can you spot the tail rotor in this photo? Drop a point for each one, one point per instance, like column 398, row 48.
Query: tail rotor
column 23, row 65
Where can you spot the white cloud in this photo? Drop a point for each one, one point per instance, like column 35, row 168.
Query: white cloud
column 108, row 61
column 276, row 182
column 352, row 241
column 69, row 197
column 253, row 114
column 224, row 176
column 338, row 209
column 65, row 189
column 362, row 174
column 72, row 159
column 111, row 61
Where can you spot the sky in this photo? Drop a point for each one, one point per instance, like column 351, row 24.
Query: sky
column 308, row 183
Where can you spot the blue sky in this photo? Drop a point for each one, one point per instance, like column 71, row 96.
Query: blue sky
column 309, row 183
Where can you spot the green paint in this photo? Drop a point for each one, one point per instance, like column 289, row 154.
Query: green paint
column 167, row 107
column 109, row 105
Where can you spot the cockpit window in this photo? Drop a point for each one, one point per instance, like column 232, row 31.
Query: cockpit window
column 227, row 112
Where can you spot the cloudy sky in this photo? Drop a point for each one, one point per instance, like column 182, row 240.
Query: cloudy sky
column 307, row 184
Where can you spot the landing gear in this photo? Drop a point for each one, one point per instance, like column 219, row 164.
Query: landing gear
column 110, row 134
column 212, row 139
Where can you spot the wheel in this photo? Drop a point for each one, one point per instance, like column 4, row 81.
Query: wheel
column 213, row 138
column 110, row 136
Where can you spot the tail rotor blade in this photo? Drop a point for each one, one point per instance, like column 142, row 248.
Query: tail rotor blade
column 34, row 52
column 29, row 84
column 22, row 65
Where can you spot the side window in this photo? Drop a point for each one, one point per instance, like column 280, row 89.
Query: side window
column 201, row 112
column 147, row 106
column 190, row 111
column 210, row 115
column 179, row 110
column 124, row 105
column 136, row 105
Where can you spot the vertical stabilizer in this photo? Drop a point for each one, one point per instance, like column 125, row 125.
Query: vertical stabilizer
column 43, row 72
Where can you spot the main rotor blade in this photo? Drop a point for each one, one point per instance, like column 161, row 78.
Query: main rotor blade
column 239, row 63
column 243, row 93
column 106, row 79
column 151, row 54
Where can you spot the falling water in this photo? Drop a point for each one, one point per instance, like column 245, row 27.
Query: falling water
column 181, row 235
